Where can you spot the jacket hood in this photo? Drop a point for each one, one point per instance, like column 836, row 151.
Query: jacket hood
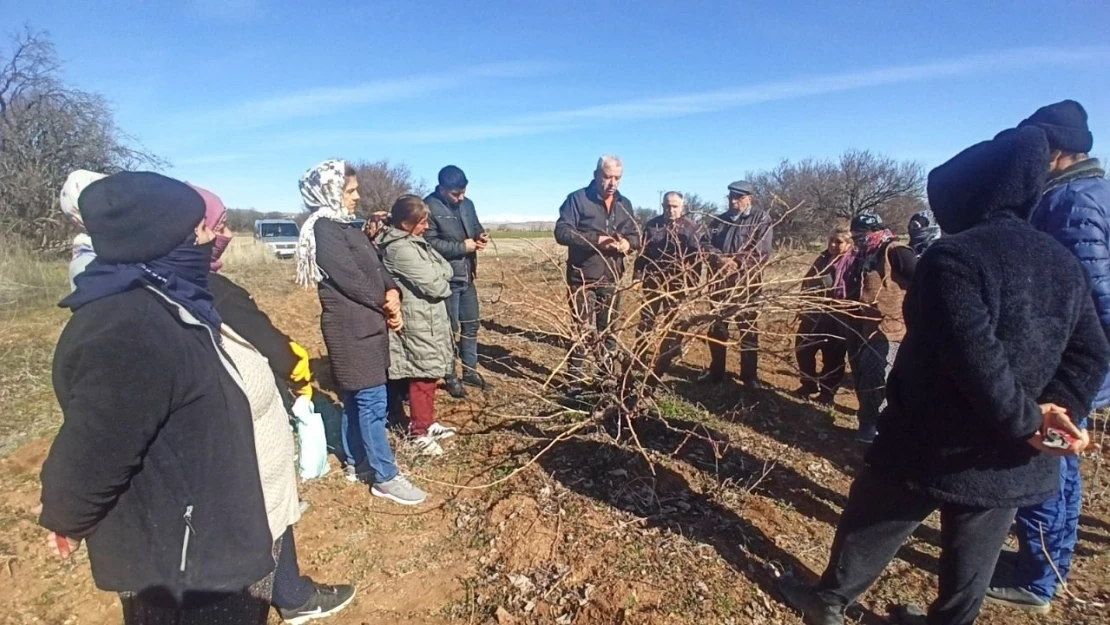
column 1004, row 175
column 389, row 234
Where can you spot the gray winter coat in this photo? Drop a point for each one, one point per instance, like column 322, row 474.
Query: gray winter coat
column 424, row 348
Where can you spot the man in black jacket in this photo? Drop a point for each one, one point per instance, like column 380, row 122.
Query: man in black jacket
column 455, row 232
column 999, row 351
column 743, row 235
column 596, row 225
column 673, row 249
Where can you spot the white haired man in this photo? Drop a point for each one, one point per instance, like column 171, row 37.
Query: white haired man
column 597, row 227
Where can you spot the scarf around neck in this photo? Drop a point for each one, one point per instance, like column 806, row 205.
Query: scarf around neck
column 322, row 193
column 840, row 267
column 181, row 275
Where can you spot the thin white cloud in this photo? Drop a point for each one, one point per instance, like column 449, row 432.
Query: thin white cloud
column 321, row 101
column 725, row 99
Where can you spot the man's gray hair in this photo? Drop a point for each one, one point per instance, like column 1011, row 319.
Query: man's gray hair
column 609, row 159
column 670, row 194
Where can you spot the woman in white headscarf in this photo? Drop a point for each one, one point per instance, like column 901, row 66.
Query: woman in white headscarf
column 360, row 304
column 82, row 245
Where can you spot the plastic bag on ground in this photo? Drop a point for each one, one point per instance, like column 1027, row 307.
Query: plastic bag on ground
column 313, row 457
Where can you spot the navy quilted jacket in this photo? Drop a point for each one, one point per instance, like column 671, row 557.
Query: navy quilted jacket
column 1075, row 209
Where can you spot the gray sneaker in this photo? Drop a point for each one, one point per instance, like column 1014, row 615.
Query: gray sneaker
column 399, row 490
column 1019, row 598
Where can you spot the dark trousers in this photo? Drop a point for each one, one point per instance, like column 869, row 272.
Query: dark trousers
column 825, row 335
column 658, row 312
column 745, row 323
column 462, row 307
column 291, row 589
column 592, row 311
column 881, row 514
column 872, row 361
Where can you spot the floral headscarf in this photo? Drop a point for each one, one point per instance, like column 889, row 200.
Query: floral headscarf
column 75, row 183
column 322, row 192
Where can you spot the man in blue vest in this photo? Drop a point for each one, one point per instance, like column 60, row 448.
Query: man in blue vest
column 1074, row 209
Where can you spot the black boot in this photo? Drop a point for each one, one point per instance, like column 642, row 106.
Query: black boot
column 454, row 387
column 805, row 599
column 716, row 372
column 473, row 378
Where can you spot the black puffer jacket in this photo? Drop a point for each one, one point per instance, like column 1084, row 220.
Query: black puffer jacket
column 999, row 319
column 352, row 296
column 583, row 219
column 448, row 227
column 154, row 465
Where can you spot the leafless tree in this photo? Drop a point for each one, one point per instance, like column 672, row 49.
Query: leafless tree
column 826, row 191
column 47, row 130
column 381, row 183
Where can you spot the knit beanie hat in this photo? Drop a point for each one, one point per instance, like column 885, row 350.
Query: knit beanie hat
column 1065, row 125
column 866, row 222
column 923, row 230
column 139, row 216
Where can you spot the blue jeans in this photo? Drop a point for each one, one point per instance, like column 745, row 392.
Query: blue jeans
column 364, row 437
column 462, row 307
column 1058, row 521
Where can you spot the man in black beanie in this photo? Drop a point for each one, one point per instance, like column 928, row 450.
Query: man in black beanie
column 1074, row 211
column 979, row 382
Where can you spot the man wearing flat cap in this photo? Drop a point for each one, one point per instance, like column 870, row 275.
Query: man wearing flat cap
column 743, row 234
column 1074, row 210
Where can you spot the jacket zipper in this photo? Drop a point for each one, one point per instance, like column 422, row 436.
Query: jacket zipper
column 189, row 531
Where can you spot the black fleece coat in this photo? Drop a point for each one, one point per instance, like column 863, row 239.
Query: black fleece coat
column 154, row 465
column 999, row 319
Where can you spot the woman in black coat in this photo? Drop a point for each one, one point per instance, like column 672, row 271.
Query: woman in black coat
column 1003, row 344
column 154, row 466
column 360, row 302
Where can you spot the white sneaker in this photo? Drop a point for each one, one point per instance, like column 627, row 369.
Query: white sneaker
column 438, row 431
column 353, row 475
column 427, row 446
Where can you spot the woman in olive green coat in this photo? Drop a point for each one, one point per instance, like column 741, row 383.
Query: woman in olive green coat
column 423, row 351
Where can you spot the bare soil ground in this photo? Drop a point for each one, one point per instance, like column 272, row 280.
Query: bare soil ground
column 592, row 532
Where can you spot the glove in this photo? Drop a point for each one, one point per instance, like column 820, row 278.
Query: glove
column 303, row 371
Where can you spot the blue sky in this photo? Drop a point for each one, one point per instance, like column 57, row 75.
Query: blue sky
column 243, row 95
